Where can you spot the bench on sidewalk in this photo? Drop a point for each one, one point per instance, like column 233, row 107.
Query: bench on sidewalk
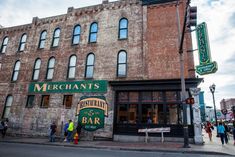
column 155, row 130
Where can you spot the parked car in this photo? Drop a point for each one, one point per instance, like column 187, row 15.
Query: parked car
column 230, row 127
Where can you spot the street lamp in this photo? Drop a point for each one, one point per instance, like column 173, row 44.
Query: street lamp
column 212, row 89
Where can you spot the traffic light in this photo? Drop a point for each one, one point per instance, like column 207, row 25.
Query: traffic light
column 191, row 16
column 190, row 100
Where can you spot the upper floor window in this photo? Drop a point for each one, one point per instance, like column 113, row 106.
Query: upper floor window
column 123, row 28
column 122, row 64
column 45, row 101
column 56, row 37
column 7, row 106
column 42, row 39
column 50, row 68
column 90, row 65
column 72, row 67
column 16, row 71
column 76, row 34
column 68, row 99
column 36, row 69
column 93, row 32
column 30, row 101
column 22, row 42
column 4, row 45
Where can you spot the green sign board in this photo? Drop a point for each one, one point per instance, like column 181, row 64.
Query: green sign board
column 206, row 66
column 69, row 87
column 91, row 112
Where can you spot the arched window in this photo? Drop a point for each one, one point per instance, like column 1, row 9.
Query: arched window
column 90, row 65
column 4, row 45
column 72, row 67
column 22, row 42
column 7, row 106
column 93, row 32
column 50, row 68
column 16, row 71
column 123, row 28
column 76, row 34
column 122, row 64
column 42, row 39
column 56, row 37
column 36, row 69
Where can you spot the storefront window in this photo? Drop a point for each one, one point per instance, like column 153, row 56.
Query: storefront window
column 133, row 109
column 172, row 113
column 133, row 96
column 122, row 116
column 123, row 97
column 146, row 97
column 157, row 96
column 171, row 96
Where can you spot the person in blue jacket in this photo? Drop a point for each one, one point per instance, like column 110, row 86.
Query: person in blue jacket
column 221, row 132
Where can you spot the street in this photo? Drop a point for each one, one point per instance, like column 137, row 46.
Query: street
column 32, row 150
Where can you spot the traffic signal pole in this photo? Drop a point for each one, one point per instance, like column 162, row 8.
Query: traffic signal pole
column 182, row 77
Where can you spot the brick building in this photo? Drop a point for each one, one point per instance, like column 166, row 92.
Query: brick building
column 123, row 52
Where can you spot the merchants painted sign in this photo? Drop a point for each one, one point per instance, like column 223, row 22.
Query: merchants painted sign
column 69, row 87
column 206, row 66
column 91, row 112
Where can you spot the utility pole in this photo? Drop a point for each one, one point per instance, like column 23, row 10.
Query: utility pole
column 182, row 77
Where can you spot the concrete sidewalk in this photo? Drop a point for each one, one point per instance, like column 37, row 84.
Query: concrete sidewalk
column 213, row 147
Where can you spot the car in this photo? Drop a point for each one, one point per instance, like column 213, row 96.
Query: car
column 230, row 127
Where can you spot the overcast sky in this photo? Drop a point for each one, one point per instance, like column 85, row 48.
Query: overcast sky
column 218, row 14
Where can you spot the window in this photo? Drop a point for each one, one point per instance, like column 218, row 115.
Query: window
column 93, row 32
column 22, row 42
column 122, row 64
column 72, row 67
column 36, row 69
column 45, row 101
column 123, row 28
column 90, row 65
column 30, row 100
column 42, row 39
column 68, row 101
column 56, row 37
column 16, row 71
column 50, row 68
column 76, row 34
column 7, row 107
column 4, row 45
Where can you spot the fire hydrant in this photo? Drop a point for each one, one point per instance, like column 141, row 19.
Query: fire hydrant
column 75, row 138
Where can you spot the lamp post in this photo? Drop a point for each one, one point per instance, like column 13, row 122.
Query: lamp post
column 212, row 89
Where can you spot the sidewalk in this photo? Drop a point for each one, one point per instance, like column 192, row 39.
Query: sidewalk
column 213, row 147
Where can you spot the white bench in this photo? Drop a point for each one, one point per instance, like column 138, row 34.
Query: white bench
column 155, row 130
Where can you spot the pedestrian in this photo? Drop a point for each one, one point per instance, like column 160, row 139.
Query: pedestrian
column 79, row 129
column 208, row 129
column 70, row 131
column 226, row 133
column 4, row 124
column 234, row 132
column 66, row 131
column 221, row 132
column 53, row 131
column 2, row 128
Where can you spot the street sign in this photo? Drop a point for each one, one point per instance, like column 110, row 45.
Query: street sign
column 205, row 66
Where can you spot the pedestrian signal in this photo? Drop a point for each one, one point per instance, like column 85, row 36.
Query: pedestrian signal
column 189, row 101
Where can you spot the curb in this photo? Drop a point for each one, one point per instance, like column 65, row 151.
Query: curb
column 120, row 148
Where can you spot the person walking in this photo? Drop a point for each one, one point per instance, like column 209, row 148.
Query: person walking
column 70, row 131
column 66, row 131
column 221, row 132
column 226, row 133
column 234, row 132
column 208, row 130
column 4, row 125
column 53, row 131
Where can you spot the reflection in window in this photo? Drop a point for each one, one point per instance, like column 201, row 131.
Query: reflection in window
column 30, row 101
column 50, row 68
column 171, row 96
column 7, row 107
column 22, row 42
column 146, row 97
column 36, row 69
column 76, row 34
column 42, row 39
column 68, row 101
column 56, row 37
column 93, row 32
column 123, row 28
column 72, row 67
column 16, row 71
column 123, row 97
column 157, row 96
column 172, row 113
column 133, row 97
column 127, row 114
column 45, row 101
column 90, row 65
column 122, row 64
column 4, row 45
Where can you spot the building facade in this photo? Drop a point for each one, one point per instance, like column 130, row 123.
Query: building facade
column 117, row 60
